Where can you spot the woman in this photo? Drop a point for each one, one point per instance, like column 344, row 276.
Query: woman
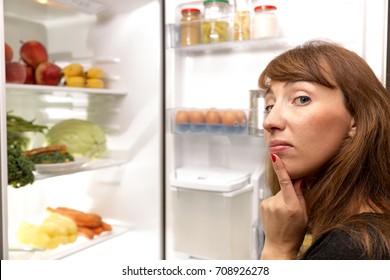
column 328, row 134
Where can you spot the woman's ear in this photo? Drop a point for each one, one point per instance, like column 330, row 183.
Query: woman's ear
column 352, row 130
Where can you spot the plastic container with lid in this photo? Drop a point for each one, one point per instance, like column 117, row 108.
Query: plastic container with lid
column 265, row 22
column 212, row 213
column 215, row 26
column 190, row 28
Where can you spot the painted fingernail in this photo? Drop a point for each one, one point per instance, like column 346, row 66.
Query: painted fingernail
column 273, row 157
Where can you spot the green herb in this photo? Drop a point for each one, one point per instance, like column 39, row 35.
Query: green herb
column 55, row 157
column 20, row 168
column 18, row 124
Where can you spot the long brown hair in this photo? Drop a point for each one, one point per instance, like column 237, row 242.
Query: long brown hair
column 359, row 175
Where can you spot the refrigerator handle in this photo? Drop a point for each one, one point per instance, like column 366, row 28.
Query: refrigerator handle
column 257, row 235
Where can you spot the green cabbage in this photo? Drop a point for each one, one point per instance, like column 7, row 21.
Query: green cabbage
column 81, row 137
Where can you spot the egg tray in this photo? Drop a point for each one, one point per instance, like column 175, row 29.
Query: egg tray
column 204, row 128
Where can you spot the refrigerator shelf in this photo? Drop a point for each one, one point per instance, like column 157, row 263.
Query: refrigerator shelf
column 93, row 164
column 22, row 88
column 19, row 251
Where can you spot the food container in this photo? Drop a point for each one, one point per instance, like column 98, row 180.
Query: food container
column 190, row 28
column 215, row 25
column 212, row 210
column 242, row 20
column 265, row 22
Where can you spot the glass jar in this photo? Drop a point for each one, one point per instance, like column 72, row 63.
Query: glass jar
column 215, row 26
column 242, row 20
column 190, row 27
column 265, row 22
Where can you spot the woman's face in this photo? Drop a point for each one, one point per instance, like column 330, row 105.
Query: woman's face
column 305, row 125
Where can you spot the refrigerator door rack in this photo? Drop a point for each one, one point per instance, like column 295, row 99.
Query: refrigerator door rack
column 267, row 43
column 201, row 128
column 233, row 122
column 217, row 22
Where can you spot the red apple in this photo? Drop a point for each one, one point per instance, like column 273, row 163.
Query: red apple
column 9, row 53
column 14, row 72
column 30, row 77
column 33, row 53
column 48, row 73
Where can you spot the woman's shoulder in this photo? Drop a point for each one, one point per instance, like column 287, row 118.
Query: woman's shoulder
column 347, row 242
column 335, row 244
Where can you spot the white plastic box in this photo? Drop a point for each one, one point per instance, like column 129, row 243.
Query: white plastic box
column 213, row 213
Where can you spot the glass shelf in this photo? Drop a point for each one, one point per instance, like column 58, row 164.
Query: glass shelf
column 18, row 251
column 22, row 88
column 264, row 44
column 93, row 164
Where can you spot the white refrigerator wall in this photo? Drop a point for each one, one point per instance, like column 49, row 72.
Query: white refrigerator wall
column 126, row 41
column 222, row 78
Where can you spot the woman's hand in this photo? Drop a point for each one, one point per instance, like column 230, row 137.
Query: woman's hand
column 284, row 217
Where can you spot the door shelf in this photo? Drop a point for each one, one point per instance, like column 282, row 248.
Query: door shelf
column 212, row 129
column 37, row 89
column 228, row 122
column 264, row 44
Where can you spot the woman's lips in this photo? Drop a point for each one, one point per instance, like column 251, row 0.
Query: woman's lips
column 276, row 146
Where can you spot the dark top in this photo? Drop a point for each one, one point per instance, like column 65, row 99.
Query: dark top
column 337, row 244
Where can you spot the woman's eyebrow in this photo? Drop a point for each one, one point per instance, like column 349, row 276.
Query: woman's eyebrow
column 268, row 92
column 289, row 83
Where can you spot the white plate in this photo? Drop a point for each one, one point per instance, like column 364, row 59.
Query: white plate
column 61, row 167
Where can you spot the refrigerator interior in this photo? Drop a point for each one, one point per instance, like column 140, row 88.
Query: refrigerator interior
column 124, row 186
column 220, row 75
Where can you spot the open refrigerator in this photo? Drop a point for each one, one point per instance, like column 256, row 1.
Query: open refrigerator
column 170, row 191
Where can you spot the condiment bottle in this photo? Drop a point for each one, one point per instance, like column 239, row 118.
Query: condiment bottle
column 215, row 26
column 242, row 20
column 190, row 27
column 265, row 23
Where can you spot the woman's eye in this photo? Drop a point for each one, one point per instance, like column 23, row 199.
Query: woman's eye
column 268, row 108
column 301, row 100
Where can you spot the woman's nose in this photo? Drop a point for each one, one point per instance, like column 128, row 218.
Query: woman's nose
column 274, row 119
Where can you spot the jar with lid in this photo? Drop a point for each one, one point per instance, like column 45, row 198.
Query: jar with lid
column 242, row 20
column 265, row 22
column 190, row 27
column 215, row 25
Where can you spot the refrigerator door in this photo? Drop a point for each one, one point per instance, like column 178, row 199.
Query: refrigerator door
column 220, row 76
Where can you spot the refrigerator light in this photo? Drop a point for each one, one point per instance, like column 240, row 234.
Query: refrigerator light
column 61, row 114
column 85, row 6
